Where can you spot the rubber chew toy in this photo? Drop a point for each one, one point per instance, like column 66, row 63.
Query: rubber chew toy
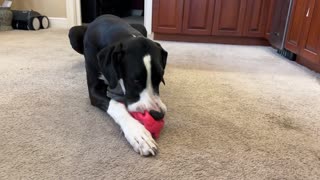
column 152, row 125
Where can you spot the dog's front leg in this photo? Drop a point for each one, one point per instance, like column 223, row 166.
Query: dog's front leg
column 136, row 134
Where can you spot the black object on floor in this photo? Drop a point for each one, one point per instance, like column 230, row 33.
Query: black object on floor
column 29, row 20
column 44, row 20
column 287, row 54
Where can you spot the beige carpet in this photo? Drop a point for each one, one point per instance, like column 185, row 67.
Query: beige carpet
column 235, row 112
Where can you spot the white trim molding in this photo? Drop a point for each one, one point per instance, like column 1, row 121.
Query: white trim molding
column 148, row 15
column 57, row 22
column 73, row 12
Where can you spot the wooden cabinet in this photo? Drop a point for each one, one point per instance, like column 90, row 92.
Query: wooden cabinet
column 211, row 17
column 303, row 37
column 241, row 22
column 218, row 21
column 167, row 16
column 198, row 17
column 256, row 18
column 310, row 40
column 298, row 14
column 229, row 17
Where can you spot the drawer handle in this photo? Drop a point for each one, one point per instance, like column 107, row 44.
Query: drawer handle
column 308, row 13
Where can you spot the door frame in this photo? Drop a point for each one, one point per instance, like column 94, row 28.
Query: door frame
column 148, row 15
column 73, row 8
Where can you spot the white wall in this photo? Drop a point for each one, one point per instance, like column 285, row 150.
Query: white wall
column 50, row 8
column 148, row 15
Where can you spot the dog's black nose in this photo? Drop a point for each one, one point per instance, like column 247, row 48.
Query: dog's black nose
column 156, row 115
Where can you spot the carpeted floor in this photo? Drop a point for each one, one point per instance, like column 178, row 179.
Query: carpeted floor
column 234, row 112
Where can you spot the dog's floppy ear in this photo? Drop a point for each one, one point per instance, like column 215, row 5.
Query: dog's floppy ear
column 109, row 63
column 164, row 56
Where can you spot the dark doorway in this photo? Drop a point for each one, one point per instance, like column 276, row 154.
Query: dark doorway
column 130, row 10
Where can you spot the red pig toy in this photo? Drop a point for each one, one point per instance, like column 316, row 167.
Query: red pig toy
column 152, row 125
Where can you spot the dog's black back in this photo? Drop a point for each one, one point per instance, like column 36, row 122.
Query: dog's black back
column 113, row 25
column 107, row 30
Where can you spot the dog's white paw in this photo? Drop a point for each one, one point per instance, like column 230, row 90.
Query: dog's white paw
column 140, row 138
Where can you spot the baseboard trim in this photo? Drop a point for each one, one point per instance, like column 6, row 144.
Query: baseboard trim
column 148, row 16
column 212, row 39
column 57, row 22
column 309, row 64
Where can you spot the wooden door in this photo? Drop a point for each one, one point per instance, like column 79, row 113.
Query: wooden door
column 298, row 14
column 198, row 17
column 256, row 18
column 229, row 17
column 310, row 46
column 167, row 16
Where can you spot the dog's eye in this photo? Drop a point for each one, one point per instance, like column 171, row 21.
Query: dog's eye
column 137, row 81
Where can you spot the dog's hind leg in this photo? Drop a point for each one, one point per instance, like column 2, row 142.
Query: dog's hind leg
column 140, row 28
column 76, row 35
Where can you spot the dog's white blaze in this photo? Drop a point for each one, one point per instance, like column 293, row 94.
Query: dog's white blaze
column 148, row 100
column 145, row 101
column 147, row 64
column 122, row 86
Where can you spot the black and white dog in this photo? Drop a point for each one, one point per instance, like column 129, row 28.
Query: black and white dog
column 124, row 72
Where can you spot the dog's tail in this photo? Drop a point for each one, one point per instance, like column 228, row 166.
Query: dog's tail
column 76, row 36
column 140, row 28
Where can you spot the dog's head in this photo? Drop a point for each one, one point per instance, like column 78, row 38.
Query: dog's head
column 138, row 65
